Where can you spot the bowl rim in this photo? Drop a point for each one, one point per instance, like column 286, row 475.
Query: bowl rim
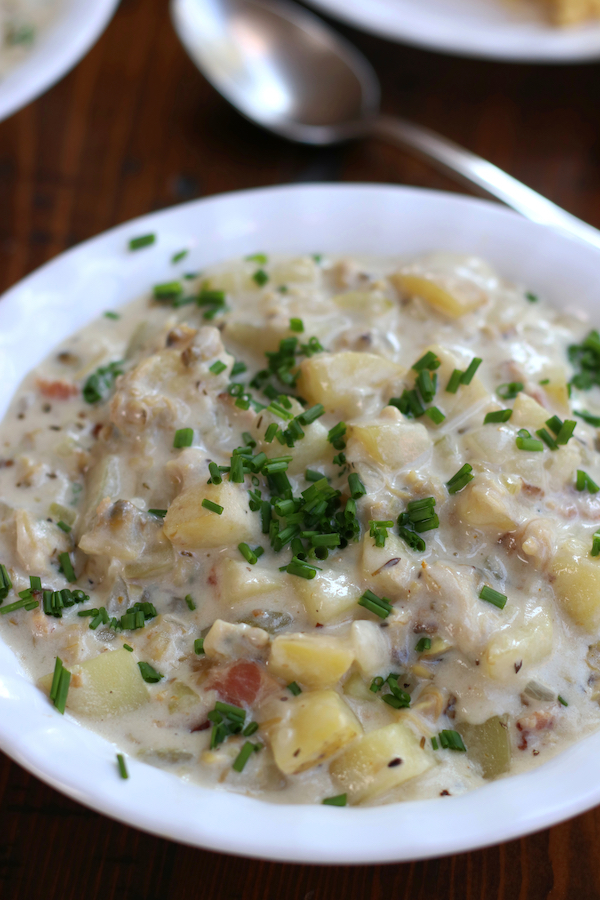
column 66, row 40
column 166, row 805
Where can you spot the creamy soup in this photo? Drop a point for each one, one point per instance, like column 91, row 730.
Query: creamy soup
column 313, row 529
column 21, row 22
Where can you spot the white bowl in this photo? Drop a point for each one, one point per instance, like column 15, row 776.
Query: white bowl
column 101, row 274
column 78, row 25
column 494, row 29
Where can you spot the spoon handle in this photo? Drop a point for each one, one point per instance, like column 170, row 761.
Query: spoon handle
column 476, row 172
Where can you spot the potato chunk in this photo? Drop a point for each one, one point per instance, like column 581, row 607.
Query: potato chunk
column 451, row 286
column 528, row 413
column 389, row 570
column 519, row 647
column 346, row 383
column 393, row 445
column 488, row 744
column 363, row 771
column 317, row 661
column 107, row 685
column 469, row 398
column 189, row 526
column 238, row 581
column 313, row 727
column 486, row 503
column 577, row 584
column 327, row 597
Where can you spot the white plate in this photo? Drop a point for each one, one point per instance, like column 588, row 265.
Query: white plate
column 498, row 29
column 101, row 274
column 78, row 25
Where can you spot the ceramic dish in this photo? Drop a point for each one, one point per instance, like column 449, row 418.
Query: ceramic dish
column 378, row 220
column 78, row 25
column 492, row 29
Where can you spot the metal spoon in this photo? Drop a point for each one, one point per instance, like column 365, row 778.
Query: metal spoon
column 283, row 68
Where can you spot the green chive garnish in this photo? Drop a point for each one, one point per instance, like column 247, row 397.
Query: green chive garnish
column 509, row 390
column 5, row 583
column 294, row 688
column 435, row 414
column 500, row 415
column 160, row 513
column 467, row 375
column 67, row 567
column 380, row 606
column 533, row 298
column 184, row 437
column 423, row 644
column 451, row 740
column 248, row 554
column 168, row 291
column 588, row 417
column 547, row 438
column 357, row 488
column 122, row 767
column 111, row 315
column 562, row 700
column 250, row 729
column 585, row 482
column 190, row 602
column 35, row 583
column 454, row 383
column 217, row 367
column 429, row 361
column 63, row 526
column 566, row 432
column 491, row 596
column 199, row 646
column 338, row 800
column 460, row 480
column 244, row 755
column 213, row 507
column 149, row 673
column 143, row 241
column 526, row 442
column 297, row 325
column 259, row 258
column 127, row 647
column 181, row 254
column 260, row 277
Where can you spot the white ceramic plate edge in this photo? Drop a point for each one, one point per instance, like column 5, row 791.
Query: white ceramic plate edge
column 61, row 46
column 328, row 218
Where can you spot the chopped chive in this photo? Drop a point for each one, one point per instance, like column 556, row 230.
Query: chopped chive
column 121, row 765
column 184, row 437
column 294, row 688
column 425, row 503
column 5, row 583
column 326, row 540
column 509, row 390
column 584, row 481
column 60, row 700
column 460, row 480
column 533, row 298
column 338, row 800
column 177, row 257
column 35, row 583
column 454, row 383
column 111, row 315
column 190, row 602
column 310, row 415
column 67, row 567
column 529, row 444
column 357, row 488
column 143, row 241
column 217, row 367
column 297, row 325
column 491, row 596
column 63, row 526
column 149, row 673
column 199, row 646
column 380, row 606
column 434, row 743
column 127, row 647
column 247, row 553
column 451, row 740
column 260, row 277
column 467, row 375
column 428, row 361
column 213, row 507
column 413, row 540
column 25, row 603
column 554, row 424
column 336, row 434
column 169, row 290
column 271, row 432
column 159, row 513
column 500, row 415
column 243, row 756
column 238, row 368
column 423, row 644
column 547, row 438
column 58, row 667
column 259, row 258
column 426, row 385
column 435, row 414
column 562, row 700
column 588, row 417
column 566, row 432
column 210, row 298
column 595, row 551
column 301, row 569
column 312, row 475
column 215, row 474
column 250, row 729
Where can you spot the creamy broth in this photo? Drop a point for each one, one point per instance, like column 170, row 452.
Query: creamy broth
column 426, row 581
column 21, row 22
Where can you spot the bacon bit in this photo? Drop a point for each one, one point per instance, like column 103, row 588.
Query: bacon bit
column 509, row 542
column 238, row 684
column 212, row 577
column 532, row 489
column 57, row 390
column 6, row 463
column 445, row 794
column 202, row 727
column 97, row 429
column 535, row 721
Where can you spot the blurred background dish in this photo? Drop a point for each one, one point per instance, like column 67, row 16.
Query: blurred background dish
column 40, row 40
column 509, row 30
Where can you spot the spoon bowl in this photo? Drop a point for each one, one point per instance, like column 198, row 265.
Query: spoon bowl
column 285, row 69
column 280, row 67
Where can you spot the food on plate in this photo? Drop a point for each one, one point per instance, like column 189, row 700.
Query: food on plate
column 571, row 12
column 316, row 530
column 21, row 22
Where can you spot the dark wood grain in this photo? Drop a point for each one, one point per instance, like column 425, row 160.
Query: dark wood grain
column 134, row 128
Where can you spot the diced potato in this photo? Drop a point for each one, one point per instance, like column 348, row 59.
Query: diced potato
column 317, row 661
column 237, row 580
column 389, row 569
column 189, row 526
column 390, row 444
column 486, row 503
column 371, row 647
column 557, row 389
column 577, row 584
column 160, row 639
column 182, row 698
column 261, row 338
column 157, row 559
column 226, row 640
column 356, row 688
column 488, row 744
column 301, row 270
column 363, row 770
column 347, row 382
column 369, row 303
column 107, row 685
column 452, row 294
column 309, row 450
column 327, row 597
column 469, row 398
column 518, row 647
column 314, row 726
column 528, row 413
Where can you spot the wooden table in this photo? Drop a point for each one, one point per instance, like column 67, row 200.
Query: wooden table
column 135, row 128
